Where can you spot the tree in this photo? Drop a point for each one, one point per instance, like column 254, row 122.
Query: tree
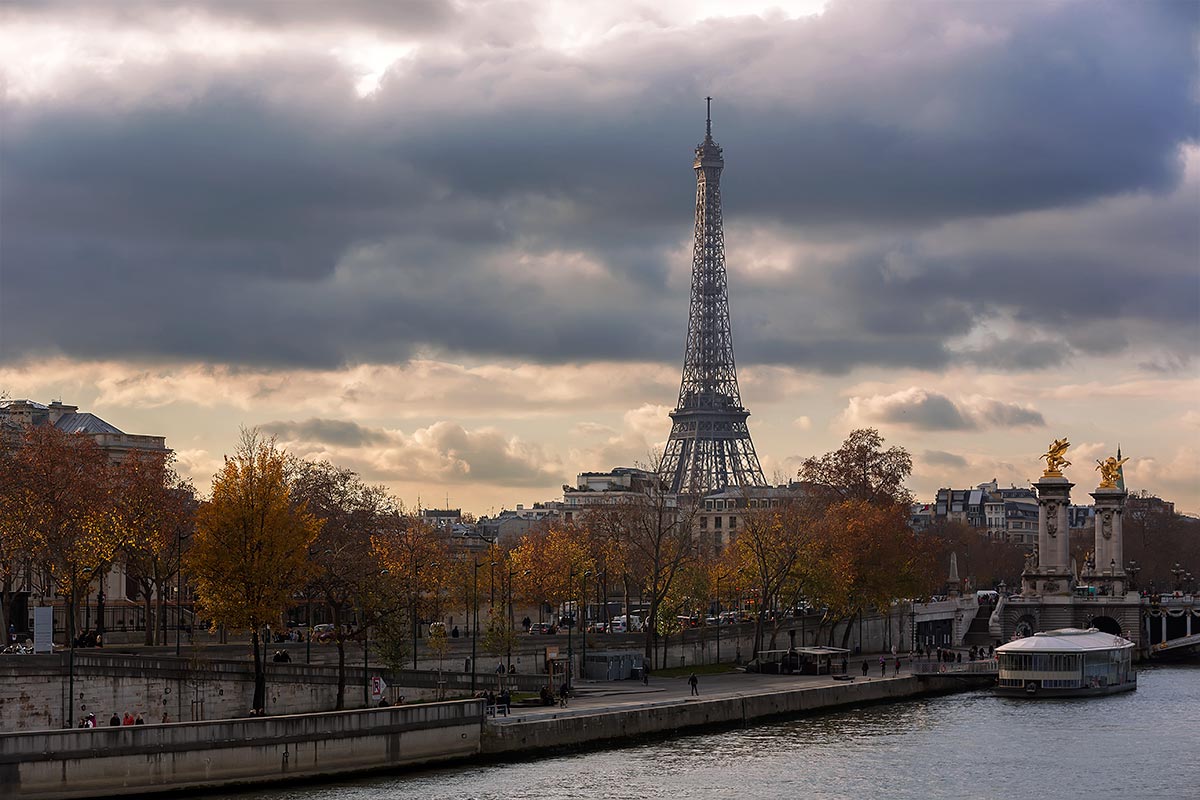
column 860, row 470
column 58, row 494
column 770, row 551
column 346, row 566
column 657, row 531
column 416, row 563
column 154, row 512
column 250, row 551
column 545, row 560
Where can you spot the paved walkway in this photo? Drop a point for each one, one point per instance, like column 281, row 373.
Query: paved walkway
column 597, row 697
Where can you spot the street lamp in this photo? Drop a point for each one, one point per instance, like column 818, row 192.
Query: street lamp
column 1133, row 569
column 475, row 628
column 1178, row 572
column 718, row 617
column 571, row 624
column 511, row 624
column 583, row 623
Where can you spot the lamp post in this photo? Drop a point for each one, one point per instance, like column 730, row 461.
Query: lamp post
column 1133, row 569
column 308, row 626
column 571, row 624
column 475, row 627
column 718, row 617
column 179, row 585
column 1178, row 572
column 511, row 624
column 583, row 624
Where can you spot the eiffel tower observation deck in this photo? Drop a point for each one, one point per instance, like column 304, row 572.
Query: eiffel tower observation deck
column 710, row 447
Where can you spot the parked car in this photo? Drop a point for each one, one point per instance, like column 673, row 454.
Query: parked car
column 543, row 628
column 323, row 632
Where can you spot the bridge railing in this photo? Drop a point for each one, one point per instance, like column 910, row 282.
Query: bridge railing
column 987, row 666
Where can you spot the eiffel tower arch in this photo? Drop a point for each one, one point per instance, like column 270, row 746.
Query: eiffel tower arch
column 709, row 448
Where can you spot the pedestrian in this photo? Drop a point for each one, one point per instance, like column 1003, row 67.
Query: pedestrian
column 526, row 623
column 882, row 667
column 865, row 666
column 138, row 719
column 454, row 632
column 645, row 674
column 115, row 720
column 897, row 665
column 563, row 694
column 127, row 719
column 694, row 682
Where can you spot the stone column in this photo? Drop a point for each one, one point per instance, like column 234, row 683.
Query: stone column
column 1054, row 547
column 1110, row 550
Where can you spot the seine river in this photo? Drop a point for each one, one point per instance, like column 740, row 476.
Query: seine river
column 1143, row 744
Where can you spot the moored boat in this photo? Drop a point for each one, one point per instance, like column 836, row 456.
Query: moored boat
column 1066, row 662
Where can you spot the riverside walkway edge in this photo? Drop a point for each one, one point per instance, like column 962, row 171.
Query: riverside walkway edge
column 557, row 728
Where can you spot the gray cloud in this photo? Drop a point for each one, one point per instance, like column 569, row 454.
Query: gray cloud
column 940, row 458
column 325, row 431
column 925, row 410
column 515, row 202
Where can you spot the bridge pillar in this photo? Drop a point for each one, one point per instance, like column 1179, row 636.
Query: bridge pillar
column 1052, row 574
column 1108, row 566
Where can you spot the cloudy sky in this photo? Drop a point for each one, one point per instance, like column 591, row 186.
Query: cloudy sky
column 447, row 243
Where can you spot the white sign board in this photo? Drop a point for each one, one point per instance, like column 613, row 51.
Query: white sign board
column 43, row 629
column 378, row 687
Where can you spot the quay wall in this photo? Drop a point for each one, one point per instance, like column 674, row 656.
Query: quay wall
column 34, row 689
column 568, row 729
column 79, row 763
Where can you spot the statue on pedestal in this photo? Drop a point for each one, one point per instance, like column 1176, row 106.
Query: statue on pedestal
column 1055, row 459
column 1110, row 471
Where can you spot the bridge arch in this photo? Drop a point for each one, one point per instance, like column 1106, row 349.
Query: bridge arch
column 1107, row 625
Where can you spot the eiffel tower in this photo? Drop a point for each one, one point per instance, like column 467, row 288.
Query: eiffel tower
column 710, row 447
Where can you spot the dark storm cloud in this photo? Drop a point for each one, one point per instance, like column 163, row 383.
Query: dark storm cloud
column 940, row 458
column 326, row 431
column 521, row 203
column 925, row 410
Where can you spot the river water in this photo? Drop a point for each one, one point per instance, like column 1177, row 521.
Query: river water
column 1143, row 744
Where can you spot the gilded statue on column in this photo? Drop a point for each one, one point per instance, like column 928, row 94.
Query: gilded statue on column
column 1055, row 458
column 1110, row 471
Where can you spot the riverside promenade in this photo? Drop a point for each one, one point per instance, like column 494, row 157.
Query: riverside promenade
column 603, row 713
column 130, row 760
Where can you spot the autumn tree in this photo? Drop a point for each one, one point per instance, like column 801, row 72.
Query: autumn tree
column 153, row 513
column 656, row 528
column 859, row 470
column 418, row 571
column 545, row 561
column 863, row 552
column 771, row 551
column 249, row 555
column 58, row 499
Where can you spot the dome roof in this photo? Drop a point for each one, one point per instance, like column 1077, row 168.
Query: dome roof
column 1066, row 640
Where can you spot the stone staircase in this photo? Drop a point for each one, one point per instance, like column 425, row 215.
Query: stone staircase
column 979, row 633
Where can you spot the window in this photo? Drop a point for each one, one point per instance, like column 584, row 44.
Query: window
column 732, row 523
column 703, row 523
column 717, row 523
column 753, row 503
column 708, row 505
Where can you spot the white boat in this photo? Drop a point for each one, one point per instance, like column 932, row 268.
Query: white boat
column 1065, row 663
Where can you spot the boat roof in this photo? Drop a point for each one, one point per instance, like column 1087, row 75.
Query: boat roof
column 1066, row 640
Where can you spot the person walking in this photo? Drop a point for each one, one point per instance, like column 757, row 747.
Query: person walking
column 897, row 665
column 645, row 674
column 694, row 682
column 563, row 694
column 882, row 667
column 865, row 667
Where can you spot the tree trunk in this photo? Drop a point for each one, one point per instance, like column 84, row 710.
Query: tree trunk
column 849, row 629
column 5, row 601
column 148, row 594
column 339, row 636
column 260, row 676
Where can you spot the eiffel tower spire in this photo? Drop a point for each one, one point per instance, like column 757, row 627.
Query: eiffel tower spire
column 710, row 445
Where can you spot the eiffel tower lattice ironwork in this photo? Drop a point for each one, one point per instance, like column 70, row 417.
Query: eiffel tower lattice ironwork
column 710, row 447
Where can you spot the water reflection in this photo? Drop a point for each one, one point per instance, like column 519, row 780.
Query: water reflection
column 1134, row 745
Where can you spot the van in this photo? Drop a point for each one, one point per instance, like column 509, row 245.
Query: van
column 987, row 597
column 621, row 625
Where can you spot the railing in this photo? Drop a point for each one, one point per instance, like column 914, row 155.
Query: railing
column 987, row 666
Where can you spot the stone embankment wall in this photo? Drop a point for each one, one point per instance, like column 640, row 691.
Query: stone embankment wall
column 583, row 729
column 54, row 765
column 34, row 689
